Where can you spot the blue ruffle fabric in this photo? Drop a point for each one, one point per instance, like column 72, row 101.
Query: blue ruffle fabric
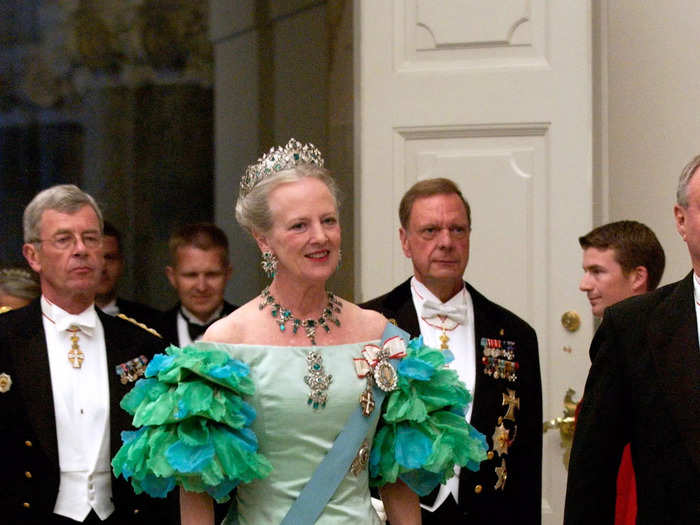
column 423, row 432
column 193, row 426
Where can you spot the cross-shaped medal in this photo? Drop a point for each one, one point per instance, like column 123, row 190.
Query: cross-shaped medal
column 512, row 402
column 75, row 355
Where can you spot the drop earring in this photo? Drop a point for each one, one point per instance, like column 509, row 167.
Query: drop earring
column 269, row 263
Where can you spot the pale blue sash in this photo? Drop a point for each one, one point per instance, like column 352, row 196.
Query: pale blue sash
column 334, row 467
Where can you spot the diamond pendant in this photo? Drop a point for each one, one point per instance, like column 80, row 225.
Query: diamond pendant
column 317, row 380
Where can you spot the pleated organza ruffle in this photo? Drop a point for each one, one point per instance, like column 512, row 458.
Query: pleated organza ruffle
column 423, row 433
column 193, row 426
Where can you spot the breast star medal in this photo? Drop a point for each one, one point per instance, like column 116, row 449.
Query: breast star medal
column 500, row 439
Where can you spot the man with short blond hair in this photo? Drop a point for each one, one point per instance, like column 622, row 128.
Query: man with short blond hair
column 199, row 271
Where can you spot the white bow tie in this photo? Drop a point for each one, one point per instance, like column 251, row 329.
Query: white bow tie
column 85, row 322
column 458, row 313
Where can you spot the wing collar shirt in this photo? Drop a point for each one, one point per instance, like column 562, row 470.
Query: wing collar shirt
column 184, row 316
column 81, row 404
column 111, row 308
column 460, row 330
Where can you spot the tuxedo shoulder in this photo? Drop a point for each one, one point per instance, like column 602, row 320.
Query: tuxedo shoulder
column 373, row 304
column 133, row 322
column 495, row 311
column 640, row 305
column 391, row 300
column 15, row 319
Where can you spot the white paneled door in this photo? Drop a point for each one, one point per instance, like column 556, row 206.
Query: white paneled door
column 495, row 95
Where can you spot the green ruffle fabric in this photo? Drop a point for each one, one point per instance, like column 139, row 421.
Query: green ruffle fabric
column 193, row 426
column 423, row 432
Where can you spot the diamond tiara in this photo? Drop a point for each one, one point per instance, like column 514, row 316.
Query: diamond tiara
column 279, row 159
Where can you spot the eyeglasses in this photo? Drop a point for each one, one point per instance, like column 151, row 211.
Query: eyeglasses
column 64, row 241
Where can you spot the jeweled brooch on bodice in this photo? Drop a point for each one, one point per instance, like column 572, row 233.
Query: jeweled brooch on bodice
column 375, row 366
column 317, row 380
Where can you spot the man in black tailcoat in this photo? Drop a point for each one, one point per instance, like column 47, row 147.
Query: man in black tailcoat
column 643, row 388
column 64, row 367
column 496, row 355
column 199, row 271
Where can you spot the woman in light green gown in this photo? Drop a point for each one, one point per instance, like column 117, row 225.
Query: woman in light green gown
column 280, row 378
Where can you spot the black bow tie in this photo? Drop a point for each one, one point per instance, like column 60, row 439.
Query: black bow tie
column 196, row 330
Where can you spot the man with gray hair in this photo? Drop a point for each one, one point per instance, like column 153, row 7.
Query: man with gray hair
column 64, row 367
column 643, row 388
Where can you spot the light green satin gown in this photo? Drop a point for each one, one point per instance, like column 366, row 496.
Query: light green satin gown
column 294, row 437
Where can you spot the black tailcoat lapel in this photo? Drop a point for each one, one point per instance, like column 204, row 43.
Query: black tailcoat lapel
column 31, row 360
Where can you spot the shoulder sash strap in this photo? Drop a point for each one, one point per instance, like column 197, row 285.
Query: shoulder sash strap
column 334, row 467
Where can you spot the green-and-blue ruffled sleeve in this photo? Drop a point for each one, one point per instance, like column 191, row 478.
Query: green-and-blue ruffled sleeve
column 423, row 433
column 193, row 426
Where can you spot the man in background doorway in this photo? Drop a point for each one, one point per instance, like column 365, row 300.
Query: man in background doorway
column 106, row 298
column 643, row 389
column 621, row 259
column 199, row 271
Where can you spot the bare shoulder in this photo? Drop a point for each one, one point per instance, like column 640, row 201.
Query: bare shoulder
column 232, row 328
column 368, row 324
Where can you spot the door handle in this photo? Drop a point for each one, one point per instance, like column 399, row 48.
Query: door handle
column 565, row 423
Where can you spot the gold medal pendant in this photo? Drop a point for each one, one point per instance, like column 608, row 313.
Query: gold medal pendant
column 367, row 401
column 444, row 339
column 361, row 459
column 75, row 354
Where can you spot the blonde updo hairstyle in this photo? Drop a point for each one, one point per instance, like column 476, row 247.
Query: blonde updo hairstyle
column 253, row 210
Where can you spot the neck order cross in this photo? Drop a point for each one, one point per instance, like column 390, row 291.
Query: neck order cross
column 444, row 322
column 282, row 315
column 75, row 354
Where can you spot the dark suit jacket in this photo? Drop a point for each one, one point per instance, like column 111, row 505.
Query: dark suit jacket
column 139, row 311
column 644, row 388
column 167, row 324
column 29, row 477
column 480, row 502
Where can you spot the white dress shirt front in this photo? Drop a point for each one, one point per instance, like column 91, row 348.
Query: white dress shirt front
column 462, row 345
column 81, row 406
column 183, row 334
